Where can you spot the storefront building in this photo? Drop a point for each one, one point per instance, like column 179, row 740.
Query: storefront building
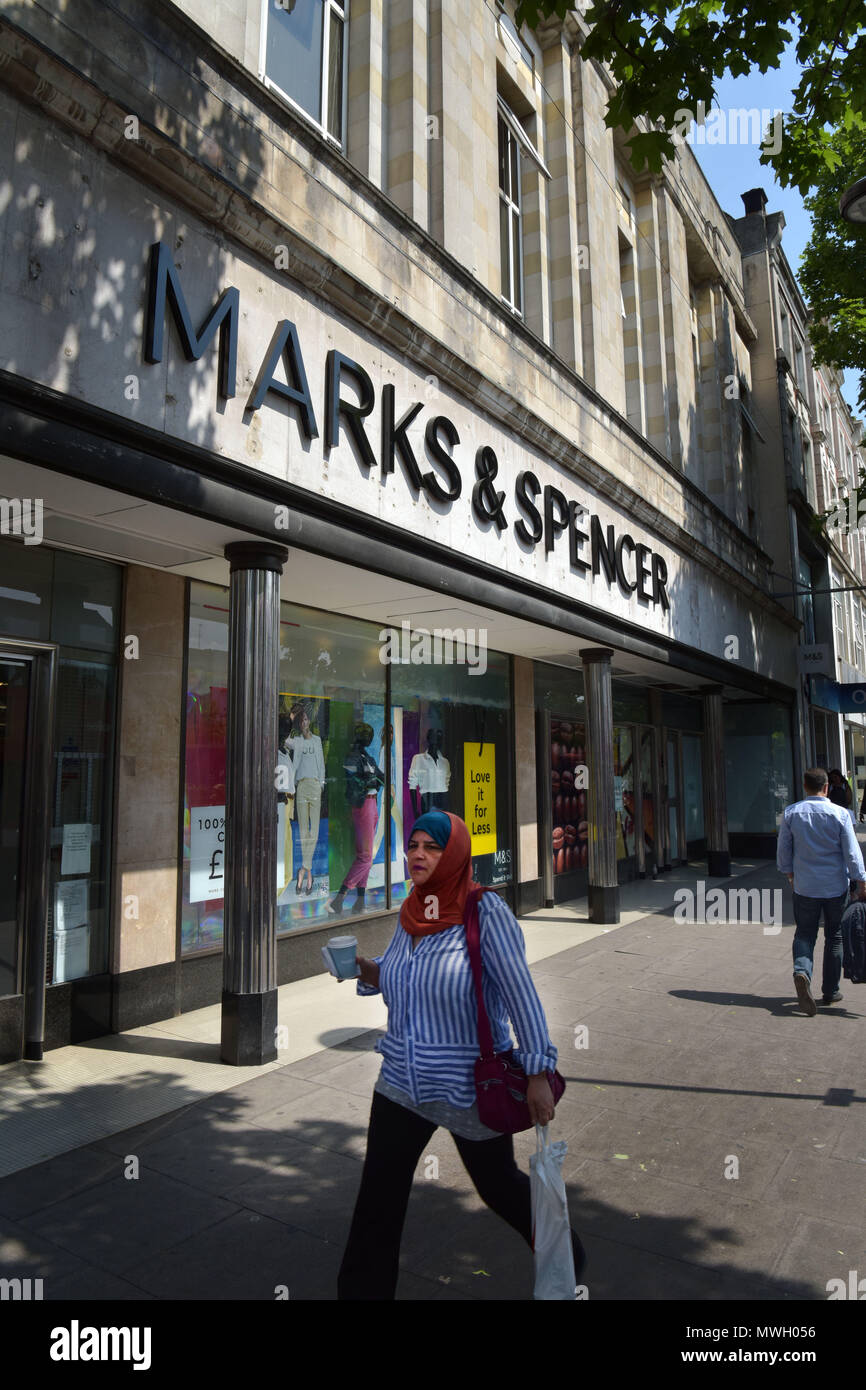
column 309, row 527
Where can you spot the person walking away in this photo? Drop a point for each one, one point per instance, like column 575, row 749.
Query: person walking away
column 429, row 1052
column 840, row 792
column 818, row 852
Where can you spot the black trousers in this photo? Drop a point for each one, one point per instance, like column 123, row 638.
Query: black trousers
column 395, row 1141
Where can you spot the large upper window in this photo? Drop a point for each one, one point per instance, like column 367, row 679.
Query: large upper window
column 303, row 45
column 510, row 218
column 519, row 191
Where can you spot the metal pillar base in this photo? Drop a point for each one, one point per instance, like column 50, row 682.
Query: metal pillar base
column 603, row 903
column 249, row 1029
column 718, row 863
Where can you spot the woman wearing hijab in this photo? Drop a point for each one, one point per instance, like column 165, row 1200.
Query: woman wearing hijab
column 429, row 1051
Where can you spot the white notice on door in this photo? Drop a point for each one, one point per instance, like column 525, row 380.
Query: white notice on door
column 75, row 858
column 70, row 904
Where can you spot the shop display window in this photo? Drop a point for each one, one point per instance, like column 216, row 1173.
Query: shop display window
column 758, row 765
column 329, row 783
column 352, row 775
column 452, row 742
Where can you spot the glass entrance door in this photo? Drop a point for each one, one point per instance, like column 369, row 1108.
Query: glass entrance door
column 14, row 706
column 27, row 681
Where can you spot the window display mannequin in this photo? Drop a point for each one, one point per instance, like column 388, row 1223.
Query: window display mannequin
column 309, row 767
column 429, row 777
column 286, row 796
column 364, row 777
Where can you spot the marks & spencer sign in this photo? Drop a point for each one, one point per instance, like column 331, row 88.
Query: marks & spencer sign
column 386, row 436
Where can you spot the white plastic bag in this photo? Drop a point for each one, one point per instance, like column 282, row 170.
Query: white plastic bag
column 551, row 1229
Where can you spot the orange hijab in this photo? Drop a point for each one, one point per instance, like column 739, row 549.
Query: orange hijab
column 449, row 884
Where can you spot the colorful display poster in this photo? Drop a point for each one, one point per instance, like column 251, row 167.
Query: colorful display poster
column 479, row 800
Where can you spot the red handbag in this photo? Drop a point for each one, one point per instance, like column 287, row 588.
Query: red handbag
column 500, row 1081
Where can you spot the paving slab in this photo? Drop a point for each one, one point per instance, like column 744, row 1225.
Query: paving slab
column 616, row 1272
column 327, row 1118
column 835, row 1188
column 480, row 1255
column 219, row 1153
column 28, row 1254
column 247, row 1256
column 711, row 1228
column 819, row 1251
column 314, row 1191
column 33, row 1189
column 697, row 1157
column 114, row 1224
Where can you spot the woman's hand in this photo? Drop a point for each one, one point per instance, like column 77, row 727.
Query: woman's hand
column 369, row 972
column 539, row 1098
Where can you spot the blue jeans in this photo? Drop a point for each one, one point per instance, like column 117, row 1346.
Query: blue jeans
column 807, row 912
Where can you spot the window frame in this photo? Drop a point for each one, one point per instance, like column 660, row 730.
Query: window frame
column 512, row 207
column 340, row 8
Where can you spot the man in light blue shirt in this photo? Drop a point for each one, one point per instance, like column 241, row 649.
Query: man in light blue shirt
column 819, row 853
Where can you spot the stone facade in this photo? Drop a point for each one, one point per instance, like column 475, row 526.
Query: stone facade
column 609, row 376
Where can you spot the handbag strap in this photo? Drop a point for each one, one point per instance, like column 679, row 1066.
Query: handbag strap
column 473, row 944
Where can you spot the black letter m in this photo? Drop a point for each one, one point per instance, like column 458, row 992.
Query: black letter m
column 164, row 282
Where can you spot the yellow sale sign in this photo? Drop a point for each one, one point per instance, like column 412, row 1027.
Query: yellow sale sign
column 479, row 778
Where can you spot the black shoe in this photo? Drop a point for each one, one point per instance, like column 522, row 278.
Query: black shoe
column 831, row 998
column 336, row 906
column 804, row 994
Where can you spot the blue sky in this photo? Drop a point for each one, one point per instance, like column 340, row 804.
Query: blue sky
column 733, row 169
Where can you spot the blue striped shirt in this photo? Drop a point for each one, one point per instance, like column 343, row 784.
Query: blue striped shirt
column 431, row 1043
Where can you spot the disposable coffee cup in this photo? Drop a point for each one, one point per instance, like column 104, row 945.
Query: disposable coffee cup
column 340, row 956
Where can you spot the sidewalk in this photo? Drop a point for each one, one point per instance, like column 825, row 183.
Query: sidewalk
column 698, row 1066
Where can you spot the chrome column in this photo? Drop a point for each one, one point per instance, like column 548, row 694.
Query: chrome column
column 249, row 1001
column 603, row 891
column 715, row 792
